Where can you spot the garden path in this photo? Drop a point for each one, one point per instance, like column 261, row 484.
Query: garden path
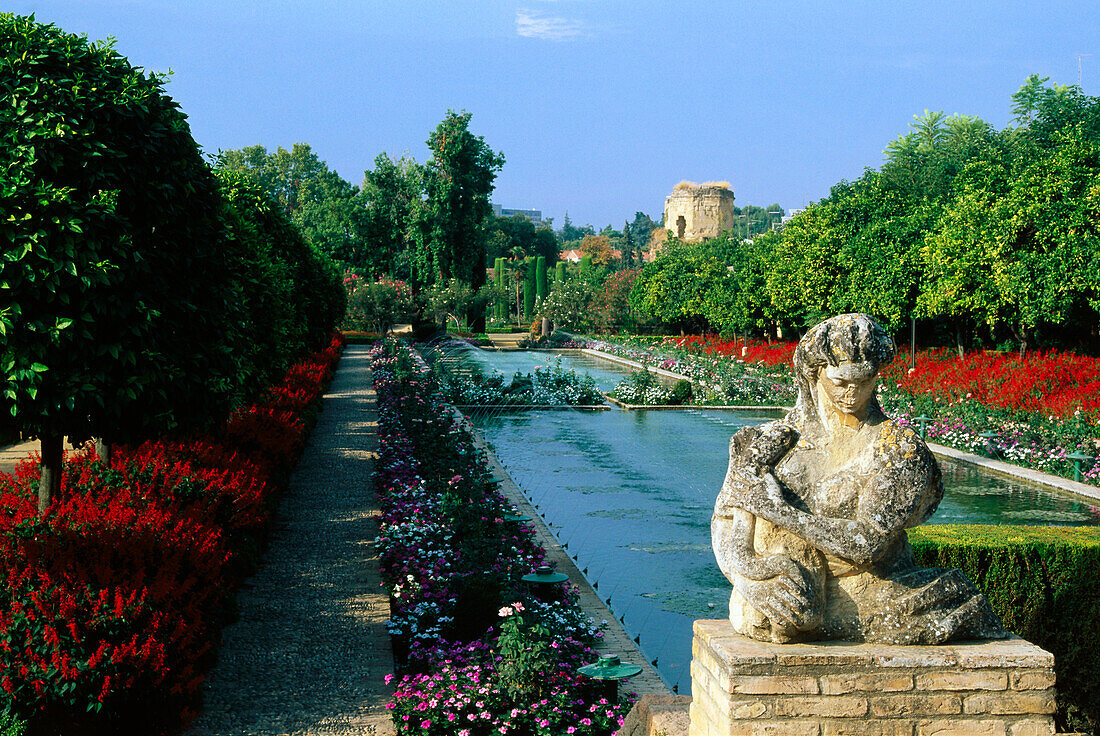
column 310, row 650
column 12, row 455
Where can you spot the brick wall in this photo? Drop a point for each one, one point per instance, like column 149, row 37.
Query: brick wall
column 741, row 686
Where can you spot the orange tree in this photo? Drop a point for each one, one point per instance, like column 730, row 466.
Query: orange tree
column 120, row 313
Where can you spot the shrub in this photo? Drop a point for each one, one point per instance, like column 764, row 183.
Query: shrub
column 1043, row 583
column 680, row 393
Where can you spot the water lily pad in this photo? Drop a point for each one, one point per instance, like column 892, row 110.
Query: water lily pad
column 705, row 603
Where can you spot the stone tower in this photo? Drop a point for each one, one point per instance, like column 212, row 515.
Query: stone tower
column 694, row 212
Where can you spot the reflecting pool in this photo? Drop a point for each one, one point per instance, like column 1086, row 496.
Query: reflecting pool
column 631, row 494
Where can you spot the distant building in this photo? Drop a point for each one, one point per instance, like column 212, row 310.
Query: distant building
column 695, row 212
column 534, row 216
column 571, row 256
column 787, row 217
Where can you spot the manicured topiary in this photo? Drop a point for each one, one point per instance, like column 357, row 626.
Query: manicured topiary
column 559, row 272
column 498, row 279
column 529, row 285
column 540, row 278
column 116, row 320
column 1044, row 583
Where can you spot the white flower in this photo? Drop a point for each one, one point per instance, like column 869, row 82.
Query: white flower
column 505, row 612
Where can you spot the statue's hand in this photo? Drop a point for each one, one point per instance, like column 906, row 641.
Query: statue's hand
column 785, row 600
column 781, row 566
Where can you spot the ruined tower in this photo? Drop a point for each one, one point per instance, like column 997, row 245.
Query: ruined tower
column 694, row 212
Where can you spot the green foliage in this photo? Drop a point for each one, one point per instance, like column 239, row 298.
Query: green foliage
column 529, row 287
column 390, row 198
column 567, row 306
column 117, row 319
column 458, row 179
column 610, row 307
column 641, row 388
column 1043, row 583
column 527, row 659
column 378, row 305
column 499, row 304
column 454, row 300
column 970, row 229
column 680, row 393
column 540, row 277
column 688, row 285
column 12, row 725
column 325, row 208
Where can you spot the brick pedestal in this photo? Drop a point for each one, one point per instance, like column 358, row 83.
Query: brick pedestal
column 988, row 688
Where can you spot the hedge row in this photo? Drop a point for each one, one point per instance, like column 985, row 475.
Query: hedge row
column 1044, row 583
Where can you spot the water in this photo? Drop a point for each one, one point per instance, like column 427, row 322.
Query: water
column 631, row 493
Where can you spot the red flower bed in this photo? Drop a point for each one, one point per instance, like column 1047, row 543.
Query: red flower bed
column 773, row 354
column 111, row 603
column 1050, row 383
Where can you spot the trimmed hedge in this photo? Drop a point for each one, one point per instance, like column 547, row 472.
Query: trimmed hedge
column 1044, row 583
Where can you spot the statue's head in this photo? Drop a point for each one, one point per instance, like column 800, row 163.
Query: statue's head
column 842, row 356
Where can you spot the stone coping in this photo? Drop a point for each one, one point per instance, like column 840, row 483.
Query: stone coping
column 1018, row 473
column 1012, row 652
column 701, row 407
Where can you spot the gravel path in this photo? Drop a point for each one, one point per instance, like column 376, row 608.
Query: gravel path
column 310, row 651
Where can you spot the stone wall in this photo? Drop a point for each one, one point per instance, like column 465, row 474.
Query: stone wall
column 706, row 212
column 990, row 688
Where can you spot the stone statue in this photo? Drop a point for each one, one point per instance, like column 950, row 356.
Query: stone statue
column 810, row 523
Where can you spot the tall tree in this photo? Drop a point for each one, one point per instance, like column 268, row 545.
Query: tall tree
column 627, row 246
column 390, row 196
column 458, row 180
column 117, row 319
column 324, row 207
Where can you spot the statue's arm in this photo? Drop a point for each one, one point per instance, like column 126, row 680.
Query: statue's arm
column 887, row 501
column 733, row 528
column 732, row 535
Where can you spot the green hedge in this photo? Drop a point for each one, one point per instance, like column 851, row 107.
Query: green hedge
column 1044, row 583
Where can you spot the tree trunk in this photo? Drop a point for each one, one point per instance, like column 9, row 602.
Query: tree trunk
column 49, row 486
column 1021, row 334
column 959, row 340
column 103, row 450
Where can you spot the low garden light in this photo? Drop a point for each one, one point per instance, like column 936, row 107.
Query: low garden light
column 608, row 670
column 545, row 583
column 923, row 424
column 517, row 518
column 1078, row 458
column 545, row 575
column 989, row 437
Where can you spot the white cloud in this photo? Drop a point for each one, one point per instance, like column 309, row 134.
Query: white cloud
column 531, row 24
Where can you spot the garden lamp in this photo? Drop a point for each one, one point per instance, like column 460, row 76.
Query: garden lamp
column 923, row 421
column 989, row 437
column 545, row 583
column 609, row 669
column 1078, row 458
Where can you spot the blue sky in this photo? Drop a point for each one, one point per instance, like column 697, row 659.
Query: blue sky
column 599, row 106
